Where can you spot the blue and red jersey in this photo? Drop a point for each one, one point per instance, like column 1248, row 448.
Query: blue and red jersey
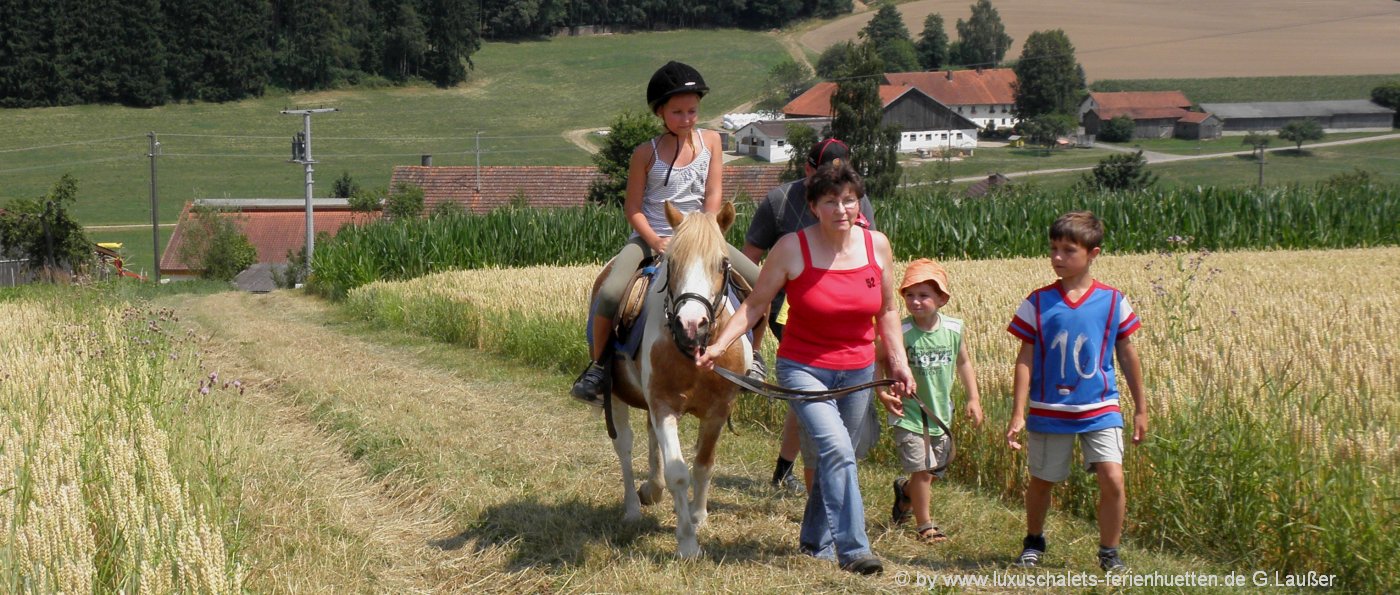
column 1073, row 389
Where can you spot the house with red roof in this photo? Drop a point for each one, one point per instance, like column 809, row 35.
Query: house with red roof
column 924, row 122
column 1155, row 114
column 274, row 226
column 985, row 95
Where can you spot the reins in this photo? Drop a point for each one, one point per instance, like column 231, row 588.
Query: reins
column 781, row 393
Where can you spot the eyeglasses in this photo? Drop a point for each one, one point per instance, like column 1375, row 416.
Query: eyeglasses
column 841, row 203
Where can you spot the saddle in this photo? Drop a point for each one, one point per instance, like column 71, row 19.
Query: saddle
column 629, row 309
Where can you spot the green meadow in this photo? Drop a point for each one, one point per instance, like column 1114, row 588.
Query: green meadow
column 521, row 99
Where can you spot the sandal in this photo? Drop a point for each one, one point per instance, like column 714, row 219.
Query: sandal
column 901, row 510
column 932, row 534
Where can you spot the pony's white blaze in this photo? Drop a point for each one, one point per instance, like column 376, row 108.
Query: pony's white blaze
column 691, row 313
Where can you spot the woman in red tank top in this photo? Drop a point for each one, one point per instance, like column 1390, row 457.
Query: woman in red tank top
column 841, row 294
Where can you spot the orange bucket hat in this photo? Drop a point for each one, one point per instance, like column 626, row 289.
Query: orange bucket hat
column 925, row 269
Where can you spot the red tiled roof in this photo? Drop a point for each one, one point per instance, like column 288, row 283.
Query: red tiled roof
column 545, row 185
column 812, row 103
column 272, row 231
column 1140, row 99
column 989, row 86
column 541, row 186
column 1195, row 117
column 816, row 102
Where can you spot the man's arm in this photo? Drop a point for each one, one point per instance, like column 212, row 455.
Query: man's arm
column 1132, row 371
column 1021, row 395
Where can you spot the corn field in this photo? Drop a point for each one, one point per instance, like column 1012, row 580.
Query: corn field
column 1272, row 381
column 923, row 222
column 92, row 498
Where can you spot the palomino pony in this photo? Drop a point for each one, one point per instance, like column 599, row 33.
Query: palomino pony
column 685, row 304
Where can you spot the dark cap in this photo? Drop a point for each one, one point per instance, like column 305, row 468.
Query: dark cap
column 673, row 79
column 826, row 151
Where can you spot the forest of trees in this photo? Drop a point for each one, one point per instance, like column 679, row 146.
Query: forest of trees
column 149, row 52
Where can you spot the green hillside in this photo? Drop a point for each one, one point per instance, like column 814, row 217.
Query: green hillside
column 522, row 97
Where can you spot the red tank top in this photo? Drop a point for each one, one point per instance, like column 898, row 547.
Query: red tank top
column 831, row 313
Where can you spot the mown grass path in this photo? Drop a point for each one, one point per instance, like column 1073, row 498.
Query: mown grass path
column 375, row 461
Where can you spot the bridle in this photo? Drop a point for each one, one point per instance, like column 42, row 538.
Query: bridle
column 672, row 306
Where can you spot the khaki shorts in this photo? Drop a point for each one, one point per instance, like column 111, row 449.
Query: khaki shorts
column 915, row 454
column 1049, row 454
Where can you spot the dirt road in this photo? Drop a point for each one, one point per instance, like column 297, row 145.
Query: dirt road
column 1174, row 39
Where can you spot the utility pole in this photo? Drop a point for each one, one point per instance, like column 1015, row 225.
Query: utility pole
column 155, row 214
column 301, row 153
column 1261, row 167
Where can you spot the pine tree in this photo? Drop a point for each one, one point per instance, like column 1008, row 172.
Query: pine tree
column 982, row 39
column 932, row 47
column 451, row 27
column 886, row 31
column 28, row 54
column 405, row 44
column 857, row 118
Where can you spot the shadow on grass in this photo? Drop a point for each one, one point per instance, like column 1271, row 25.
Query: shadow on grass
column 567, row 533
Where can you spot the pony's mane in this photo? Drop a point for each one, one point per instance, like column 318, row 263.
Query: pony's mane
column 698, row 236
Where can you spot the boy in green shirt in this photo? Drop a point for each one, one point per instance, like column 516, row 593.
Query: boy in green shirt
column 934, row 344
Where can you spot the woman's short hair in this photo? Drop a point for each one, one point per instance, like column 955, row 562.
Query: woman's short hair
column 832, row 178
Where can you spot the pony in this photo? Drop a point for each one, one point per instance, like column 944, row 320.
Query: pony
column 685, row 303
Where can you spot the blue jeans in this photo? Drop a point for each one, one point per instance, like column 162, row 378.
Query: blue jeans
column 833, row 525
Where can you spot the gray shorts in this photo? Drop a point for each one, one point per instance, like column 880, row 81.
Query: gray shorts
column 1049, row 454
column 915, row 454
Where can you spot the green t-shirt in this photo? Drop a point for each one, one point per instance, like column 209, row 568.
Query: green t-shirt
column 933, row 359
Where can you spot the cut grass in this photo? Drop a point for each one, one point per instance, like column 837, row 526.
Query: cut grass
column 1381, row 158
column 1261, row 88
column 1225, row 144
column 472, row 473
column 522, row 97
column 986, row 161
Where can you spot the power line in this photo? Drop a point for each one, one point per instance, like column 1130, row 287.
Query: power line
column 76, row 142
column 70, row 163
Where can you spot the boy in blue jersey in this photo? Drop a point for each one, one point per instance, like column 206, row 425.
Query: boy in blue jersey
column 1070, row 331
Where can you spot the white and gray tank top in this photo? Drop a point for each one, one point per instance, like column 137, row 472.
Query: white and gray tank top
column 685, row 190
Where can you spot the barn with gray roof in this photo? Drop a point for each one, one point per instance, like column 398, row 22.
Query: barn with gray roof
column 1357, row 115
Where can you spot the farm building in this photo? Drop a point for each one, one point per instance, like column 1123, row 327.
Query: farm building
column 923, row 121
column 986, row 95
column 1357, row 115
column 1199, row 125
column 1155, row 114
column 767, row 139
column 480, row 190
column 274, row 226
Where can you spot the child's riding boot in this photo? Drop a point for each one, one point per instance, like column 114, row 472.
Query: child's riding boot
column 589, row 386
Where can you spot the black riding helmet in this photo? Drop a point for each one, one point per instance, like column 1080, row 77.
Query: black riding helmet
column 673, row 79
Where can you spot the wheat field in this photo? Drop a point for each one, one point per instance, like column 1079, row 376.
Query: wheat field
column 1271, row 380
column 90, row 499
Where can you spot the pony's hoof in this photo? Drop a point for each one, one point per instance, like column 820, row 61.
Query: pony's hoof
column 690, row 553
column 632, row 516
column 648, row 495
